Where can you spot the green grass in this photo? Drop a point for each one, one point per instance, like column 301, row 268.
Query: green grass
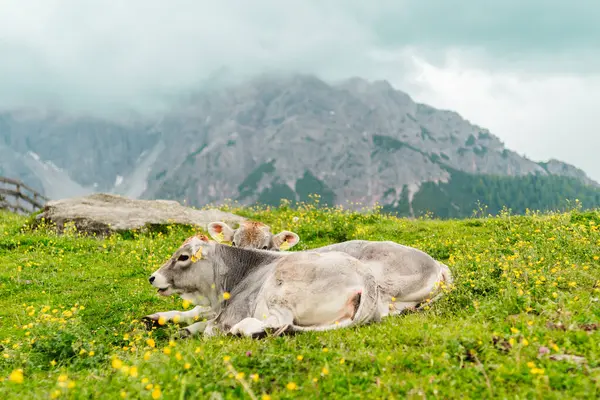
column 522, row 283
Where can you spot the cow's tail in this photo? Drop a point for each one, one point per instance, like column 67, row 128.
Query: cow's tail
column 443, row 285
column 447, row 278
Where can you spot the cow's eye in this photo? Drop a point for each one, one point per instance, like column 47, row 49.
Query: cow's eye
column 233, row 244
column 265, row 247
column 183, row 257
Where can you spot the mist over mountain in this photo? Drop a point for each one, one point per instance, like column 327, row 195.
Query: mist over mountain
column 286, row 136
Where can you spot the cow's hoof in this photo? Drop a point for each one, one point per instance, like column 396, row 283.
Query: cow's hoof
column 184, row 333
column 150, row 322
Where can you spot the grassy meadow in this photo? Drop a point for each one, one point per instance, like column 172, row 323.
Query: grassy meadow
column 521, row 321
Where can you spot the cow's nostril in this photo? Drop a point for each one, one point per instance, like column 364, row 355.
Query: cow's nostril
column 152, row 278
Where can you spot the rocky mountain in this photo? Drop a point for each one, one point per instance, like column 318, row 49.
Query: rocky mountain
column 269, row 138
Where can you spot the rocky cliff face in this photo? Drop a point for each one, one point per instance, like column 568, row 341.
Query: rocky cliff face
column 270, row 138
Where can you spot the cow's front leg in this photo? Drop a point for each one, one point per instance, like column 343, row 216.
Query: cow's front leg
column 180, row 316
column 193, row 329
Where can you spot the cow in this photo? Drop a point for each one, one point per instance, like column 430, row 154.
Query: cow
column 251, row 291
column 252, row 235
column 408, row 277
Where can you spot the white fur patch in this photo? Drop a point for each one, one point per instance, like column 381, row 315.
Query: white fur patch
column 160, row 282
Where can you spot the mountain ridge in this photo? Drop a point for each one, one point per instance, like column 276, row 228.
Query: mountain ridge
column 268, row 138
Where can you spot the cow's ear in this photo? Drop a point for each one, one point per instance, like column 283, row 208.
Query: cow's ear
column 285, row 240
column 220, row 232
column 197, row 245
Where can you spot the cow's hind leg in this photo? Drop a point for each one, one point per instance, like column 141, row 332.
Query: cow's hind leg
column 278, row 320
column 248, row 327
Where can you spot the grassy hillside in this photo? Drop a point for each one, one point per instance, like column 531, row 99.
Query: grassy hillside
column 526, row 292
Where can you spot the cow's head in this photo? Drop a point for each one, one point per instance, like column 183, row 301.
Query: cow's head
column 252, row 235
column 187, row 270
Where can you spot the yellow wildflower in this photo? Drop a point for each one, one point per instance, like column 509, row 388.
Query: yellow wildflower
column 116, row 363
column 156, row 393
column 537, row 371
column 291, row 386
column 16, row 376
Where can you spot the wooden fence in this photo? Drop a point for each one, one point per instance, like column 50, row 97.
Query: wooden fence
column 17, row 197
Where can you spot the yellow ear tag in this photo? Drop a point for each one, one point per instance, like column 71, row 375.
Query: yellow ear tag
column 220, row 238
column 284, row 246
column 198, row 255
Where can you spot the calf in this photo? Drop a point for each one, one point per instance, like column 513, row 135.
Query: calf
column 252, row 235
column 249, row 291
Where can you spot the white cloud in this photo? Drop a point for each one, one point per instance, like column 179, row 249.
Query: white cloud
column 544, row 116
column 537, row 89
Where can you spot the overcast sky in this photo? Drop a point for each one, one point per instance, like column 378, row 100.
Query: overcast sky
column 527, row 70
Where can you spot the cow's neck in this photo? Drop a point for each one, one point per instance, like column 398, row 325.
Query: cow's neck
column 235, row 264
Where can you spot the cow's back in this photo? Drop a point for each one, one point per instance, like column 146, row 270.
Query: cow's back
column 399, row 269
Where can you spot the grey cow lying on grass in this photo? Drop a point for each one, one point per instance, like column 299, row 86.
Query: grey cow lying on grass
column 252, row 290
column 405, row 277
